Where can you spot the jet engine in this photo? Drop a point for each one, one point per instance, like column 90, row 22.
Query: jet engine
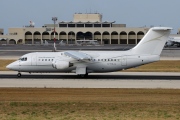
column 61, row 64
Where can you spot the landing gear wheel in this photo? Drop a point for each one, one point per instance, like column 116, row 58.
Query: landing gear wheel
column 19, row 74
column 86, row 75
column 83, row 75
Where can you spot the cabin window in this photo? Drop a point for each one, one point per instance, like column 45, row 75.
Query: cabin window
column 23, row 59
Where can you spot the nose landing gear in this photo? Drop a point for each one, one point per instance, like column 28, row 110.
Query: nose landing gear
column 19, row 74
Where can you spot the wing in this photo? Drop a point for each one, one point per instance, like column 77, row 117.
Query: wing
column 80, row 56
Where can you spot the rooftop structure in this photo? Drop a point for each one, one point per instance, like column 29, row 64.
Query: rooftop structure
column 1, row 31
column 92, row 17
column 86, row 21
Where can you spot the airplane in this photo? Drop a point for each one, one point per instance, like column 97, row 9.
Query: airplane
column 172, row 41
column 82, row 63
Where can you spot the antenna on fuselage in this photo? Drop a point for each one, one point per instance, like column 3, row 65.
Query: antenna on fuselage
column 54, row 19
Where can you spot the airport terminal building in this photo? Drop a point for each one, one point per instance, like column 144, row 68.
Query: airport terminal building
column 83, row 27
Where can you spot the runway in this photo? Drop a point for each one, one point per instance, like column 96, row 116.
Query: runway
column 95, row 80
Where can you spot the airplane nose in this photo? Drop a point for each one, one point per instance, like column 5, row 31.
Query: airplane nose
column 13, row 66
column 9, row 66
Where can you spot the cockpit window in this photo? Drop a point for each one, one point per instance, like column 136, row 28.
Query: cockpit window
column 23, row 59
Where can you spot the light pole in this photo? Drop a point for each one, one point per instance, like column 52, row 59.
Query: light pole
column 54, row 19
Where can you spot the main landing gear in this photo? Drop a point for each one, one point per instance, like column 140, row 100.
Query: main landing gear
column 19, row 74
column 83, row 75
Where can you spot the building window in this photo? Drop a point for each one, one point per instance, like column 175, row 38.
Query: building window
column 62, row 25
column 71, row 25
column 97, row 25
column 80, row 25
column 88, row 25
column 105, row 25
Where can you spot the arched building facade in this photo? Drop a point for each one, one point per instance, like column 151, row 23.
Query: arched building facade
column 70, row 35
column 91, row 28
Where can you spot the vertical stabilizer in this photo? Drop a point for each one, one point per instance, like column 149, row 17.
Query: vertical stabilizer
column 153, row 42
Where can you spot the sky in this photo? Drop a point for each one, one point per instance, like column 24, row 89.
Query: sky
column 133, row 13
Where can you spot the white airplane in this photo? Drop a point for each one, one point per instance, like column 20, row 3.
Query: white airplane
column 82, row 63
column 172, row 41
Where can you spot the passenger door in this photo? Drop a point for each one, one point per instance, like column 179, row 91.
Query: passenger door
column 124, row 61
column 19, row 65
column 33, row 60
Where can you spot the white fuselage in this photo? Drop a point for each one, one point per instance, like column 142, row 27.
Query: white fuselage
column 102, row 61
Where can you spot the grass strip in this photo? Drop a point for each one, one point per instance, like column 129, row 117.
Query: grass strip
column 89, row 104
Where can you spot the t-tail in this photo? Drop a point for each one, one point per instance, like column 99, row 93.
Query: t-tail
column 153, row 42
